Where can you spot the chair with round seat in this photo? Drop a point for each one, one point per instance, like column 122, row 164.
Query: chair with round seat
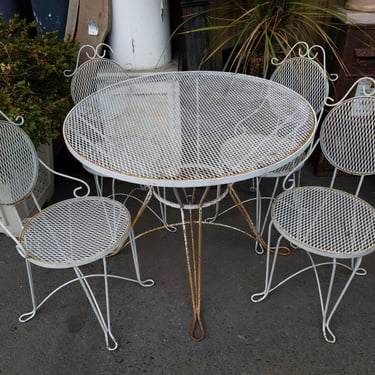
column 328, row 223
column 66, row 235
column 303, row 70
column 93, row 74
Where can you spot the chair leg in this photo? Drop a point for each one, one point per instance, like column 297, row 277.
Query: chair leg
column 162, row 192
column 270, row 268
column 144, row 283
column 163, row 210
column 90, row 295
column 325, row 304
column 29, row 315
column 258, row 207
column 105, row 324
column 99, row 185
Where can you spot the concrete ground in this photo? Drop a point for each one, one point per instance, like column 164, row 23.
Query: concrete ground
column 281, row 335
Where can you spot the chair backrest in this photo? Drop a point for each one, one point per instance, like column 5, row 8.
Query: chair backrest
column 304, row 70
column 18, row 163
column 347, row 135
column 94, row 74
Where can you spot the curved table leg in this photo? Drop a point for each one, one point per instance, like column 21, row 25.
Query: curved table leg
column 194, row 265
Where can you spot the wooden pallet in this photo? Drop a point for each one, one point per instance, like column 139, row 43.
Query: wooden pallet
column 89, row 21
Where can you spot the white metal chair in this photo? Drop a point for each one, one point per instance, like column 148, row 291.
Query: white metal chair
column 325, row 221
column 66, row 235
column 95, row 73
column 303, row 70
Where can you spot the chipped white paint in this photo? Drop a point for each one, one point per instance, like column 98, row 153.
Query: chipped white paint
column 140, row 33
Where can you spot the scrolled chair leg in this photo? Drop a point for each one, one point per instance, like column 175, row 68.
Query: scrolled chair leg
column 29, row 315
column 327, row 315
column 109, row 337
column 144, row 283
column 270, row 268
column 104, row 322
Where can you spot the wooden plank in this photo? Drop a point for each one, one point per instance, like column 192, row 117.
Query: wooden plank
column 94, row 21
column 71, row 21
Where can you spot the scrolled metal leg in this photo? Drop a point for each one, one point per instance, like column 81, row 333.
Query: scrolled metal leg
column 29, row 315
column 325, row 303
column 145, row 283
column 98, row 184
column 327, row 315
column 194, row 266
column 261, row 226
column 270, row 268
column 104, row 324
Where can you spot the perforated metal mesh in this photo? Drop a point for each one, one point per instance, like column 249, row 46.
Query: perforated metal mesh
column 189, row 128
column 93, row 75
column 347, row 136
column 75, row 232
column 326, row 221
column 306, row 77
column 287, row 168
column 18, row 164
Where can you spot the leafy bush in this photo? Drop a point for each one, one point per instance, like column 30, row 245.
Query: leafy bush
column 32, row 83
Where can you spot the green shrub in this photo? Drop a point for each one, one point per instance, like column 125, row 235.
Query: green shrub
column 32, row 83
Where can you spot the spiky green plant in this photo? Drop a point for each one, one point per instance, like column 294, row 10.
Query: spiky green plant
column 256, row 31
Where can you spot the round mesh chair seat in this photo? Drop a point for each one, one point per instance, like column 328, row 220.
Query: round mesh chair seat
column 71, row 233
column 325, row 221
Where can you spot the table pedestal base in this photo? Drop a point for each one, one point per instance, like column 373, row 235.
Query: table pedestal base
column 196, row 200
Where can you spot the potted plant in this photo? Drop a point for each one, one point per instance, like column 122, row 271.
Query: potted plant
column 32, row 85
column 252, row 32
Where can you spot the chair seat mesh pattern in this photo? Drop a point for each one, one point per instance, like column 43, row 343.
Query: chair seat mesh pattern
column 71, row 233
column 325, row 221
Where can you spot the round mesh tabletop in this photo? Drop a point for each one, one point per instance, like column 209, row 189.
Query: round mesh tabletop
column 75, row 232
column 186, row 129
column 325, row 221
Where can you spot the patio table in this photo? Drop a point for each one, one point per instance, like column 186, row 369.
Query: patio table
column 191, row 132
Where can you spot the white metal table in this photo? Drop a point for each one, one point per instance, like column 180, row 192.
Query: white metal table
column 191, row 132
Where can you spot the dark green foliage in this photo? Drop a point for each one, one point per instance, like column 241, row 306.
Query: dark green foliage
column 32, row 83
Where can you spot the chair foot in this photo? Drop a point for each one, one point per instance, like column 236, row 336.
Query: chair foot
column 146, row 283
column 258, row 297
column 109, row 337
column 27, row 316
column 361, row 271
column 328, row 334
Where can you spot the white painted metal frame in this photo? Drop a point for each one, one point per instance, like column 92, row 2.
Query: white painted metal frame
column 303, row 70
column 190, row 132
column 67, row 234
column 94, row 73
column 324, row 221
